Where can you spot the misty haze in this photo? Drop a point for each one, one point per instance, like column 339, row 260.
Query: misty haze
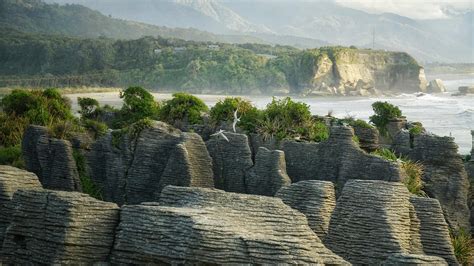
column 329, row 132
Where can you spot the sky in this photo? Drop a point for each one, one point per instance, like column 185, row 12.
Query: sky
column 418, row 9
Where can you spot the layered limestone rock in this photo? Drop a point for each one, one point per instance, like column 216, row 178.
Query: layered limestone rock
column 371, row 222
column 57, row 227
column 444, row 177
column 337, row 160
column 315, row 199
column 209, row 226
column 268, row 174
column 231, row 158
column 413, row 260
column 11, row 180
column 50, row 159
column 434, row 231
column 436, row 86
column 134, row 168
column 347, row 71
column 368, row 138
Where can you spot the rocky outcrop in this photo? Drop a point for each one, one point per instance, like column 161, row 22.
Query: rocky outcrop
column 315, row 199
column 57, row 227
column 29, row 150
column 268, row 174
column 12, row 179
column 58, row 167
column 434, row 231
column 345, row 71
column 209, row 226
column 413, row 260
column 444, row 177
column 257, row 141
column 231, row 158
column 134, row 168
column 368, row 138
column 337, row 160
column 436, row 86
column 50, row 159
column 371, row 222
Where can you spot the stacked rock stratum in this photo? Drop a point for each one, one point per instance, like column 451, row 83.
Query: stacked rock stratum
column 208, row 226
column 57, row 227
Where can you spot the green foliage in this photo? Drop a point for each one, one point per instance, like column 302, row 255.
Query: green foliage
column 224, row 111
column 40, row 107
column 386, row 154
column 416, row 130
column 286, row 119
column 64, row 129
column 356, row 139
column 384, row 112
column 88, row 186
column 132, row 130
column 89, row 107
column 360, row 123
column 183, row 107
column 138, row 104
column 463, row 246
column 12, row 156
column 96, row 128
column 413, row 181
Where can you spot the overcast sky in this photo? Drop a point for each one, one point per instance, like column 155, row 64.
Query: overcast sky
column 420, row 9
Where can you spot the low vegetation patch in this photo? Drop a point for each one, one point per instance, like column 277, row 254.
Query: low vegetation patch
column 88, row 185
column 463, row 246
column 413, row 180
column 386, row 154
column 224, row 111
column 12, row 156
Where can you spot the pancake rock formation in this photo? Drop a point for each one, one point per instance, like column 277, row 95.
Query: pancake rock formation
column 208, row 226
column 413, row 260
column 58, row 227
column 315, row 199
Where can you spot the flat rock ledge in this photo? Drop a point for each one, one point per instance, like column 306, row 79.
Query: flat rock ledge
column 193, row 225
column 57, row 227
column 413, row 260
column 12, row 179
column 315, row 199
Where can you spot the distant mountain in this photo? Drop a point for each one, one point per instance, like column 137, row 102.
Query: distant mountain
column 444, row 40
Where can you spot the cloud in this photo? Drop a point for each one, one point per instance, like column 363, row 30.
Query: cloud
column 419, row 9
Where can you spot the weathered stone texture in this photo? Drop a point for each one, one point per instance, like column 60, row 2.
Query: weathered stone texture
column 371, row 221
column 434, row 231
column 413, row 260
column 208, row 226
column 315, row 199
column 268, row 174
column 368, row 138
column 57, row 227
column 337, row 160
column 230, row 159
column 12, row 179
column 131, row 171
column 444, row 177
column 58, row 167
column 50, row 159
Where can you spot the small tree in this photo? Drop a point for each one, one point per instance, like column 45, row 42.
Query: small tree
column 183, row 107
column 138, row 103
column 89, row 107
column 224, row 111
column 384, row 112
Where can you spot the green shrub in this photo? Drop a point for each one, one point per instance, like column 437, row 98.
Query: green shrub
column 416, row 130
column 463, row 246
column 413, row 181
column 183, row 107
column 88, row 186
column 12, row 156
column 360, row 123
column 384, row 112
column 224, row 111
column 11, row 129
column 138, row 103
column 64, row 129
column 89, row 107
column 386, row 154
column 96, row 128
column 133, row 131
column 286, row 119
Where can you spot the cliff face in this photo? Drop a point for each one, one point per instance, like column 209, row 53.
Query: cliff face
column 345, row 71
